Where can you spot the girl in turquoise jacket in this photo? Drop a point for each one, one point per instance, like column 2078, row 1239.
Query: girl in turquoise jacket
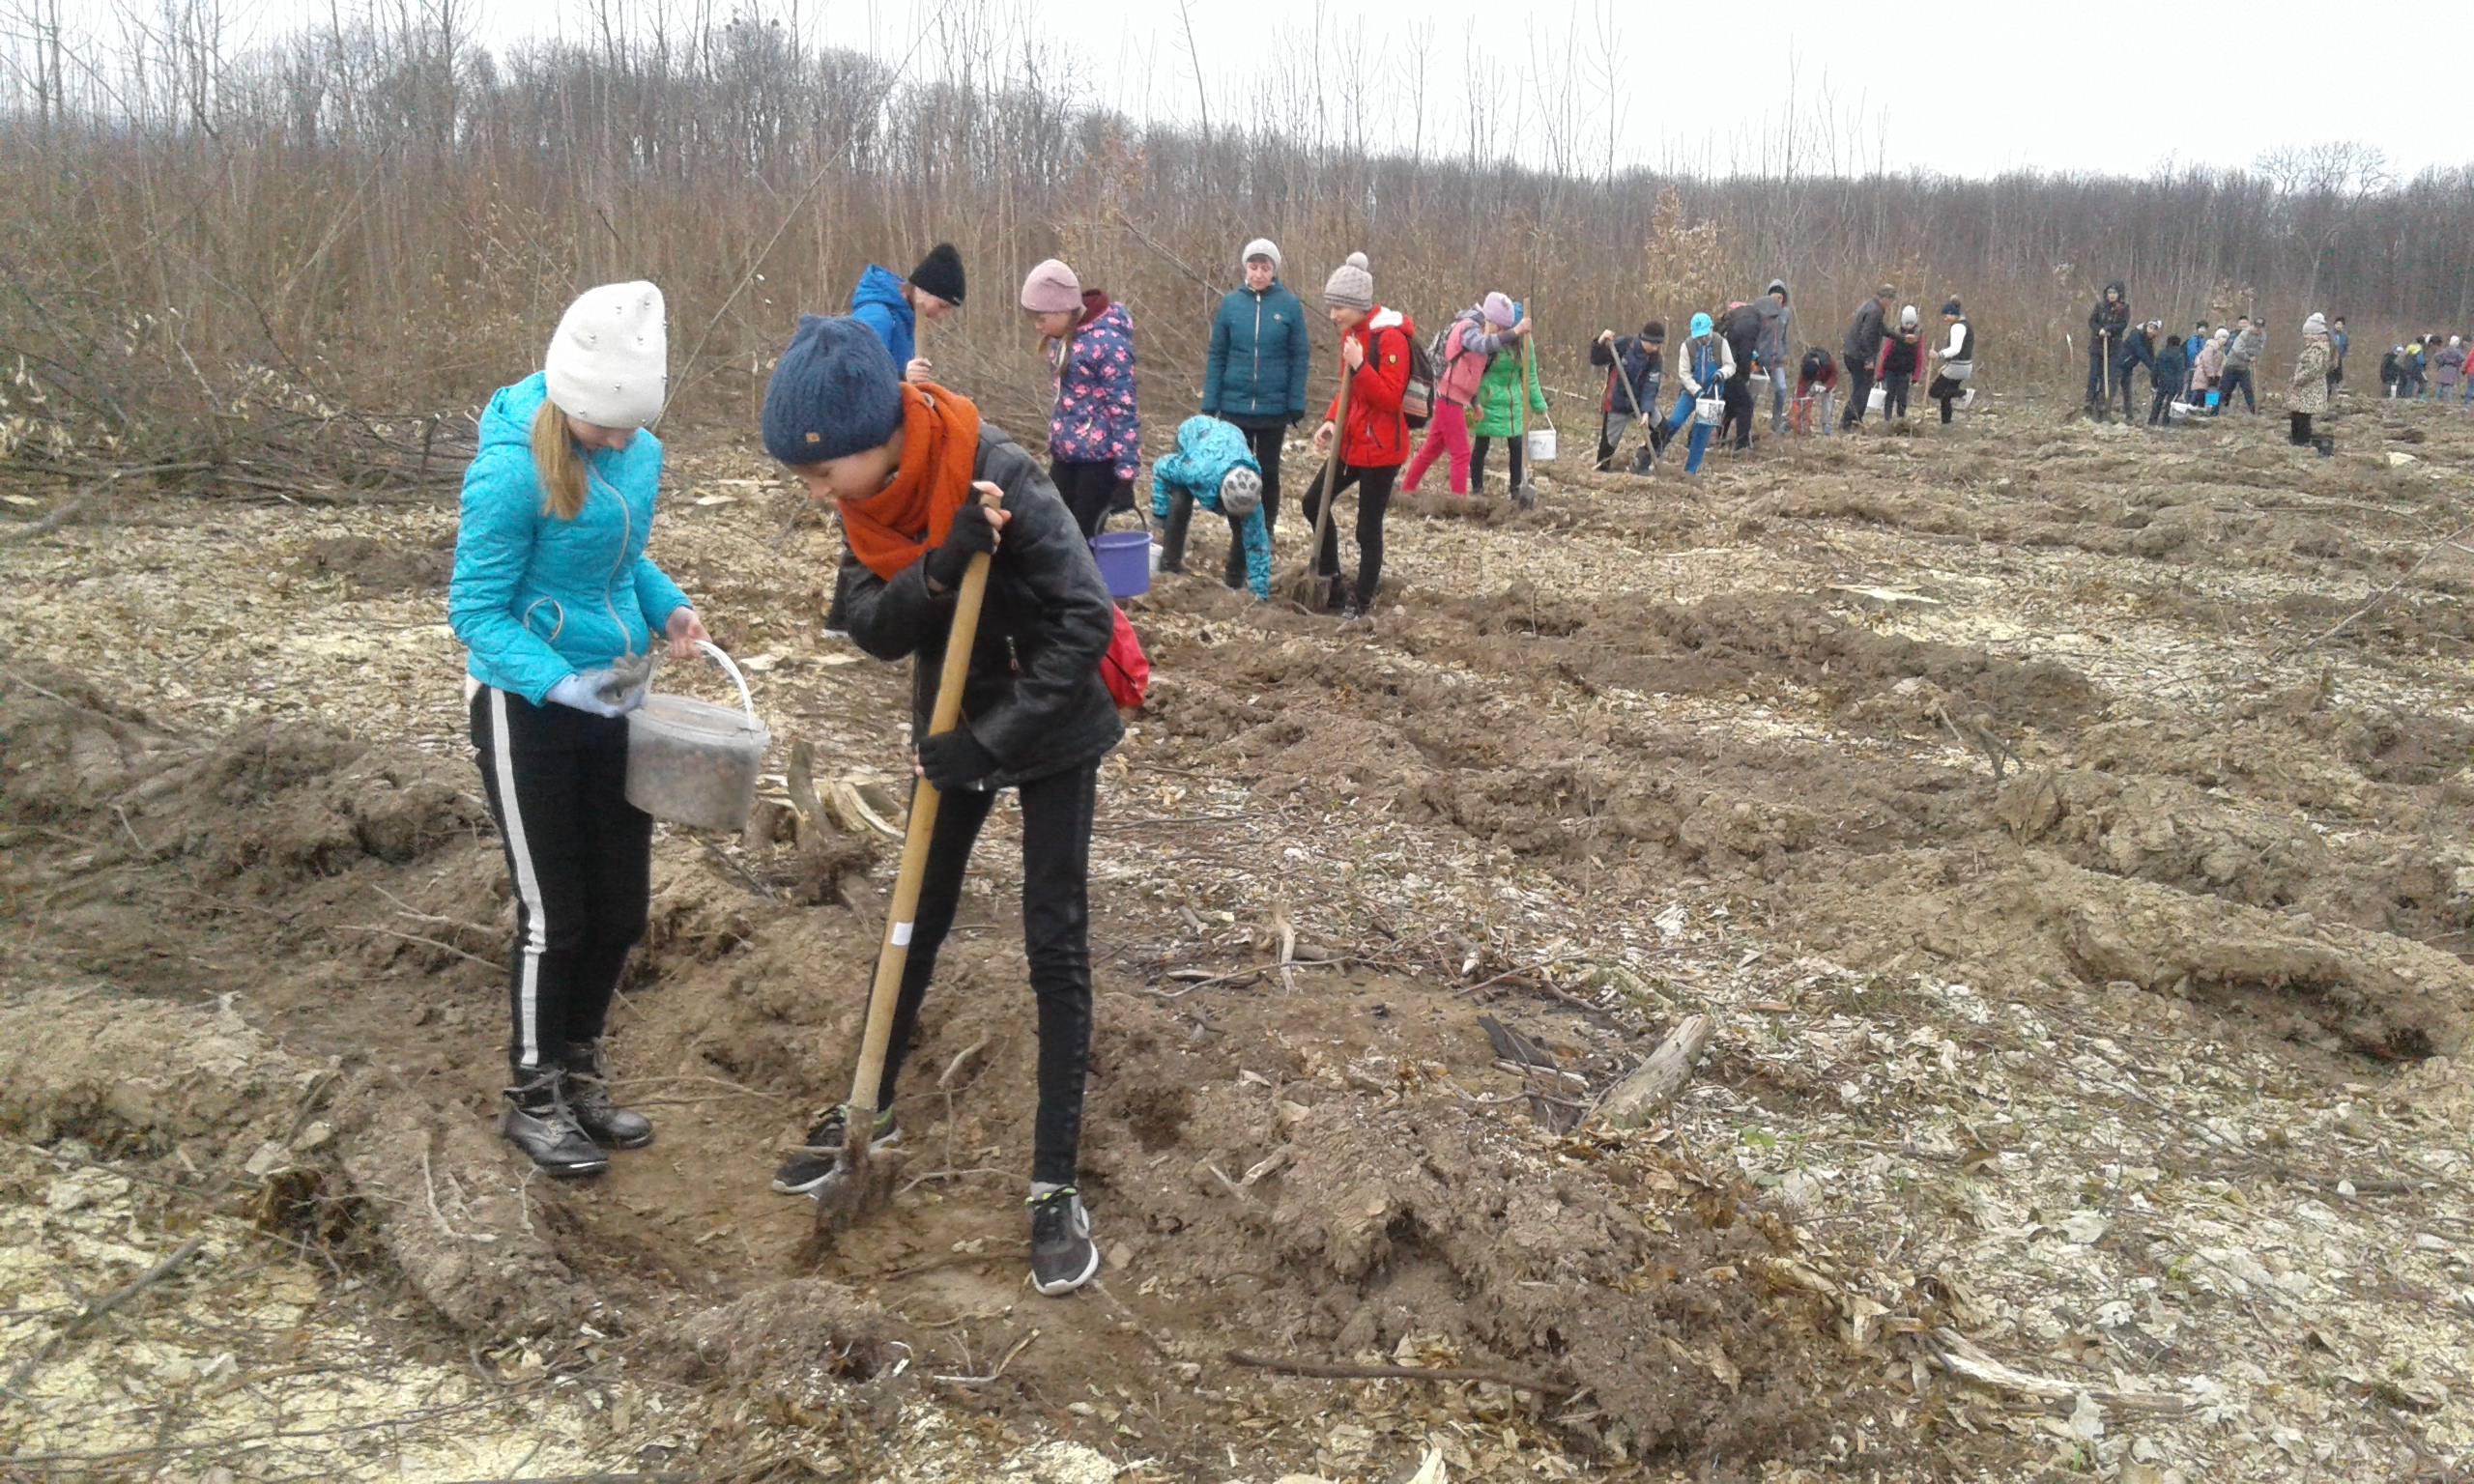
column 558, row 606
column 1213, row 468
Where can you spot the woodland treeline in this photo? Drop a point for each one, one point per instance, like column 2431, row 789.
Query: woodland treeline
column 327, row 249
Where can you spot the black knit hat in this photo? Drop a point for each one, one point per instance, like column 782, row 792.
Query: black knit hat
column 1655, row 330
column 941, row 273
column 1952, row 307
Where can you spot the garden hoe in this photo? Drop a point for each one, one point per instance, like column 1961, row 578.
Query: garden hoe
column 858, row 1186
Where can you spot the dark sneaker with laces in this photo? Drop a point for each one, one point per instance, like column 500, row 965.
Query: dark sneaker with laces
column 602, row 1121
column 815, row 1161
column 1063, row 1257
column 538, row 1121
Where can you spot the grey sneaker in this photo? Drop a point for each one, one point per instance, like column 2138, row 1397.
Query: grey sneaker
column 815, row 1161
column 1063, row 1257
column 538, row 1121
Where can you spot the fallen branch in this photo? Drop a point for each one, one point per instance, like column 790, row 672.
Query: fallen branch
column 1963, row 1357
column 104, row 1305
column 1641, row 1095
column 415, row 938
column 1316, row 1368
column 2377, row 599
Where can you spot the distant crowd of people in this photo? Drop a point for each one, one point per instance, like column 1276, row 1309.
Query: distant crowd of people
column 2428, row 368
column 2197, row 375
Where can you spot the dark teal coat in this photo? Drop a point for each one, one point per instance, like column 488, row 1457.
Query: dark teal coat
column 1259, row 349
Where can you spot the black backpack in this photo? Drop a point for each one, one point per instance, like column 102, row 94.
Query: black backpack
column 1416, row 397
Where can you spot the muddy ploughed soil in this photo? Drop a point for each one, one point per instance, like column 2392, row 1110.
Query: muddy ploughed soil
column 2064, row 824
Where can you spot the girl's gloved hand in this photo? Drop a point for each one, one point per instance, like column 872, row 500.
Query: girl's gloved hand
column 584, row 691
column 953, row 759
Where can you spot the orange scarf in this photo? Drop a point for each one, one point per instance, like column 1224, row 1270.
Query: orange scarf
column 939, row 444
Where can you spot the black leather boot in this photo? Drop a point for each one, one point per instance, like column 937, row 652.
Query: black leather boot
column 538, row 1121
column 603, row 1120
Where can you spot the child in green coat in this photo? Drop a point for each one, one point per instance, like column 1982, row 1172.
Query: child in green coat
column 1499, row 414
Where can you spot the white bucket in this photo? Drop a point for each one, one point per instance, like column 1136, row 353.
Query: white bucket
column 695, row 763
column 1541, row 445
column 1878, row 400
column 1709, row 412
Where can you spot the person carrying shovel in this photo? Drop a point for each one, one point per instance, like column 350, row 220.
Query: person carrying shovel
column 908, row 466
column 1634, row 366
column 1365, row 421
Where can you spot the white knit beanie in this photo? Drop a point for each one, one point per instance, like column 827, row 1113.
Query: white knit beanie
column 1351, row 286
column 1260, row 248
column 609, row 363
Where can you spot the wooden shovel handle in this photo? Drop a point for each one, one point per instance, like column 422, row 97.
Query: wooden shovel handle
column 895, row 951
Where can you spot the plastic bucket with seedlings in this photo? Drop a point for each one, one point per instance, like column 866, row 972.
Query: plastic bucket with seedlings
column 1541, row 443
column 695, row 763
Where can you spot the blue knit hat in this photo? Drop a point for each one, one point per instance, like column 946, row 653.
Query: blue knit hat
column 834, row 393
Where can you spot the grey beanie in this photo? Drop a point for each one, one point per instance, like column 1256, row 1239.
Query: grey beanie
column 1241, row 493
column 1351, row 286
column 1260, row 248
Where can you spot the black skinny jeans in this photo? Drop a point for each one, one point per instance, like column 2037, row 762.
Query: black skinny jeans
column 1894, row 387
column 1945, row 391
column 2160, row 407
column 1088, row 490
column 580, row 858
column 1056, row 941
column 1737, row 415
column 1373, row 499
column 1264, row 443
column 1515, row 457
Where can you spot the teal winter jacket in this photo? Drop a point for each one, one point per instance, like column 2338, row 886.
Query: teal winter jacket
column 1260, row 348
column 1207, row 449
column 535, row 598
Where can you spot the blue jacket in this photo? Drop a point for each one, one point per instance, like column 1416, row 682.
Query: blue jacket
column 878, row 304
column 1260, row 348
column 535, row 598
column 1207, row 449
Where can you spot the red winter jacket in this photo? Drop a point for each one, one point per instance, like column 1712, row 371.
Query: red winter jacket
column 1377, row 436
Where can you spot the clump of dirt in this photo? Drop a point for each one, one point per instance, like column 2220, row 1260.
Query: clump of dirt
column 374, row 568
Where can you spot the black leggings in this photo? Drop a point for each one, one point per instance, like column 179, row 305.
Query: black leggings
column 2160, row 407
column 1056, row 941
column 1373, row 497
column 1515, row 448
column 580, row 857
column 1945, row 391
column 1088, row 490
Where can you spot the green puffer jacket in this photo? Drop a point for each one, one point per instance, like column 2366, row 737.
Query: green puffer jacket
column 1497, row 394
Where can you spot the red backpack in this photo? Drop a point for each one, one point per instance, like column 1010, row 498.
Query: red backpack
column 1124, row 668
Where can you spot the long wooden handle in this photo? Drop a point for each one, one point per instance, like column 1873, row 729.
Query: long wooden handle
column 895, row 951
column 1331, row 467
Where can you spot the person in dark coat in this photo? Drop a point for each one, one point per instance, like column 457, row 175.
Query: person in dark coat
column 1778, row 356
column 1741, row 325
column 1635, row 366
column 2138, row 349
column 2166, row 373
column 1254, row 376
column 1861, row 352
column 2108, row 326
column 905, row 465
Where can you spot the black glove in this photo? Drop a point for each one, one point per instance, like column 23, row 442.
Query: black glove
column 968, row 536
column 955, row 760
column 1121, row 498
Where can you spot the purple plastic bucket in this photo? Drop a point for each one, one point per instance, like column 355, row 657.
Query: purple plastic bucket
column 1125, row 561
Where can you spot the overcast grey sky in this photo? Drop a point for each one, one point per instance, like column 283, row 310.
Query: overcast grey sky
column 1972, row 88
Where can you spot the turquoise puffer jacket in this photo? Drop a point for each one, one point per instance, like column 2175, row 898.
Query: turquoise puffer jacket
column 1207, row 449
column 535, row 598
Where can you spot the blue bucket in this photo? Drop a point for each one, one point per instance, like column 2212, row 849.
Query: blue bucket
column 1125, row 561
column 2211, row 401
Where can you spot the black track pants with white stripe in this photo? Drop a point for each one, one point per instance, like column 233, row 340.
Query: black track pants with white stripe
column 579, row 857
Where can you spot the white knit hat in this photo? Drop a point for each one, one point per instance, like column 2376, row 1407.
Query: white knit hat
column 609, row 363
column 1260, row 248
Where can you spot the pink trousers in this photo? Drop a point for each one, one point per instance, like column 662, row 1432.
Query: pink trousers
column 1447, row 432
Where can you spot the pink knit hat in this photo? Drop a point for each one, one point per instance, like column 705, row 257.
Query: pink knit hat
column 1052, row 289
column 1498, row 309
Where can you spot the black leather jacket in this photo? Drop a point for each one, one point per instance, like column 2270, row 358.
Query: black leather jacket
column 1034, row 699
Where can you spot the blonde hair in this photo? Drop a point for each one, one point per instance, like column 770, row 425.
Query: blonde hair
column 557, row 464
